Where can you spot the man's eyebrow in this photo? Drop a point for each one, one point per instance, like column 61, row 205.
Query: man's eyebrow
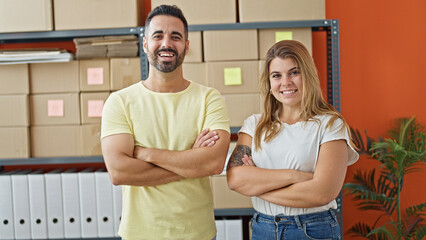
column 177, row 33
column 158, row 31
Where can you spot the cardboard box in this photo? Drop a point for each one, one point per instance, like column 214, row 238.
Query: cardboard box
column 54, row 77
column 223, row 197
column 124, row 72
column 268, row 37
column 91, row 140
column 204, row 11
column 233, row 77
column 14, row 142
column 55, row 109
column 281, row 10
column 25, row 15
column 15, row 111
column 230, row 45
column 14, row 79
column 241, row 106
column 55, row 141
column 91, row 107
column 195, row 72
column 195, row 52
column 94, row 75
column 91, row 14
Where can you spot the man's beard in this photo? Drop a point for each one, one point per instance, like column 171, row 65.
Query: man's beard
column 166, row 67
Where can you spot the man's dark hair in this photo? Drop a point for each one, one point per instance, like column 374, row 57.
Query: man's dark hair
column 168, row 10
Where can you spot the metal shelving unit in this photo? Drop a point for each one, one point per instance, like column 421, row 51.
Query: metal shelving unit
column 47, row 161
column 69, row 35
column 330, row 26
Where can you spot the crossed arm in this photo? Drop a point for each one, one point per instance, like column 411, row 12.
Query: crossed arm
column 289, row 187
column 138, row 166
column 250, row 180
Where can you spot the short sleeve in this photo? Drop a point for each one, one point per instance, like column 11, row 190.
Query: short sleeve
column 249, row 125
column 335, row 133
column 216, row 114
column 114, row 119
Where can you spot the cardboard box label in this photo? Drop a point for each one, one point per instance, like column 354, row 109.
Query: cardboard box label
column 95, row 76
column 55, row 108
column 283, row 35
column 94, row 108
column 232, row 76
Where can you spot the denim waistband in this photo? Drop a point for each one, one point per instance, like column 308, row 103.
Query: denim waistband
column 296, row 219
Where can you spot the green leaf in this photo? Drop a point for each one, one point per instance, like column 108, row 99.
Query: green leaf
column 418, row 233
column 360, row 230
column 389, row 230
column 416, row 210
column 370, row 196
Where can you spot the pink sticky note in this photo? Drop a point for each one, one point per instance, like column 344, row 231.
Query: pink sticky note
column 94, row 108
column 95, row 76
column 55, row 108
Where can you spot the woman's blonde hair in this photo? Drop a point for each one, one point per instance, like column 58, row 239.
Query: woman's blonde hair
column 312, row 102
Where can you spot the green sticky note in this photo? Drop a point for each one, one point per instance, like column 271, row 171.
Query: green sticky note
column 232, row 76
column 285, row 35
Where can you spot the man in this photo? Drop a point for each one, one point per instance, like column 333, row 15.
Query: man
column 154, row 144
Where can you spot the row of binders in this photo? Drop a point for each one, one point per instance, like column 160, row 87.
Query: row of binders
column 58, row 204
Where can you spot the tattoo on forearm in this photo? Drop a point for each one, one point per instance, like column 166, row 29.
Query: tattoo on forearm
column 237, row 156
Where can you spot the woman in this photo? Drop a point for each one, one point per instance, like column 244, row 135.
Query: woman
column 301, row 149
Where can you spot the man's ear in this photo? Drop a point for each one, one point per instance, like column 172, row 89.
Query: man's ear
column 144, row 44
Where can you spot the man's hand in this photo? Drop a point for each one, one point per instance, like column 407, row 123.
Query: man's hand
column 206, row 157
column 206, row 138
column 248, row 161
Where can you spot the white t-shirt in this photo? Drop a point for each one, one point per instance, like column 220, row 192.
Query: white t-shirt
column 295, row 147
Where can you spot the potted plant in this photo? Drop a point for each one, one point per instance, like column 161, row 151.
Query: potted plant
column 380, row 188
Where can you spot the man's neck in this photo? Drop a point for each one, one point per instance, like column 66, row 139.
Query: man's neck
column 166, row 82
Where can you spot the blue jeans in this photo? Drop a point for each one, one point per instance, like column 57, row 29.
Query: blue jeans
column 321, row 225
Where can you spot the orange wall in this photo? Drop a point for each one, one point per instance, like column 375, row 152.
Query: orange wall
column 383, row 46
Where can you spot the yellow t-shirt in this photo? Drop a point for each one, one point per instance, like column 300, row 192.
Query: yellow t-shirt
column 178, row 210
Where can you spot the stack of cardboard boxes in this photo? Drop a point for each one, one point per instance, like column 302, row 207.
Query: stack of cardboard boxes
column 14, row 111
column 62, row 115
column 54, row 109
column 106, row 46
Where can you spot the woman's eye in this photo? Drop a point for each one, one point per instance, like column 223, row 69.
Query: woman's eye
column 293, row 73
column 275, row 76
